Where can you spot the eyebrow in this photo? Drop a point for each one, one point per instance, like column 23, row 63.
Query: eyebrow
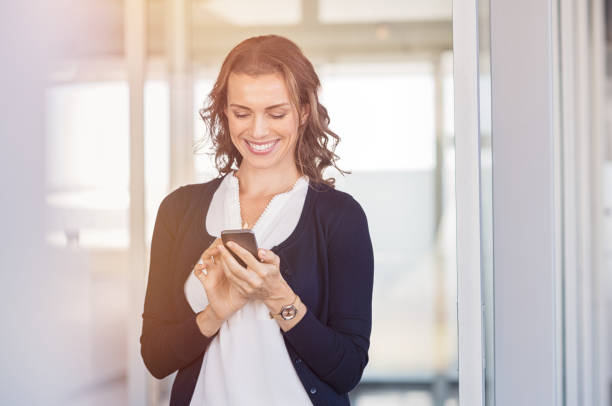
column 267, row 108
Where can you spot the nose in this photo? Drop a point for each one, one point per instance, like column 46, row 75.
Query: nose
column 261, row 127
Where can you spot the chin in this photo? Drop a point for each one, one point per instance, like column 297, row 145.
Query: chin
column 257, row 164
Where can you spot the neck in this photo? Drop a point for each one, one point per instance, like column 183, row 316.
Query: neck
column 256, row 182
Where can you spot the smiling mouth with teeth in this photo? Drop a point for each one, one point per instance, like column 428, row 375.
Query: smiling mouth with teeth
column 262, row 147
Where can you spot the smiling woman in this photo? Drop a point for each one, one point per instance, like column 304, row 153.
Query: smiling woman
column 285, row 329
column 267, row 91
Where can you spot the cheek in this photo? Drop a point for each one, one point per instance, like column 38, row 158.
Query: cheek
column 236, row 126
column 288, row 128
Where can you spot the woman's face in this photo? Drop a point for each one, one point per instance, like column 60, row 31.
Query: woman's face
column 262, row 122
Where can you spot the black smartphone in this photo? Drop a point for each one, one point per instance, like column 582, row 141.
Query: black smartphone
column 245, row 237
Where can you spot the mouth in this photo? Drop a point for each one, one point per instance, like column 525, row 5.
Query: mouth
column 261, row 149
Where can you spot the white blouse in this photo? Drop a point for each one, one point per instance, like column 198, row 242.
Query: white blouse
column 247, row 362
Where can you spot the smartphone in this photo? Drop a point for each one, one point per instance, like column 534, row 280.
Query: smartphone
column 245, row 237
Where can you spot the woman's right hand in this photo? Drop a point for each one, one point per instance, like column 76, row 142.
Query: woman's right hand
column 222, row 295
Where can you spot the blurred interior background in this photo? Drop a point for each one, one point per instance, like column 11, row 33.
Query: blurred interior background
column 121, row 130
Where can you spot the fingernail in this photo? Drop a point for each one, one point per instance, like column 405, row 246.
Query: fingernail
column 262, row 251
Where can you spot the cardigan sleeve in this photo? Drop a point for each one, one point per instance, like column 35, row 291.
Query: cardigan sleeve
column 167, row 344
column 338, row 352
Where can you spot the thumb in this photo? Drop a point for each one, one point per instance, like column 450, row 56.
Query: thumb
column 263, row 254
column 268, row 256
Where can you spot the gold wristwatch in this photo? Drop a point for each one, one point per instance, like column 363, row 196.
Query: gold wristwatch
column 289, row 311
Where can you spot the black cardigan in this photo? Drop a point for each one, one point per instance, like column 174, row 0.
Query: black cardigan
column 327, row 260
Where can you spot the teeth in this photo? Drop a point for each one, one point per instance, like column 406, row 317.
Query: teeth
column 262, row 147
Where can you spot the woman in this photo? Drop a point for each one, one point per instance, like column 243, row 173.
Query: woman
column 293, row 326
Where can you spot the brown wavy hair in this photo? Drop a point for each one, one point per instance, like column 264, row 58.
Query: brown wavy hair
column 274, row 54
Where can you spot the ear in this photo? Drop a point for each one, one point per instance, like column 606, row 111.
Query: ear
column 305, row 113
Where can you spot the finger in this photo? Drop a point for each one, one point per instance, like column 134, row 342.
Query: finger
column 210, row 263
column 247, row 274
column 247, row 257
column 209, row 252
column 215, row 267
column 268, row 257
column 200, row 272
column 209, row 266
column 212, row 249
column 205, row 271
column 233, row 265
column 242, row 285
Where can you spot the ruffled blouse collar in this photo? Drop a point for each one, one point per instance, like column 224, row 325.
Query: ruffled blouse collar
column 233, row 216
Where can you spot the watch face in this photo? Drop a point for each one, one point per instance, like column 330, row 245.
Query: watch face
column 288, row 312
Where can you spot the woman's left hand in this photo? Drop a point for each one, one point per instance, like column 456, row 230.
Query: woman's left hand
column 259, row 280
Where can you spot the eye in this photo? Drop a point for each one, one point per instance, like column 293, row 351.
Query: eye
column 238, row 115
column 278, row 116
